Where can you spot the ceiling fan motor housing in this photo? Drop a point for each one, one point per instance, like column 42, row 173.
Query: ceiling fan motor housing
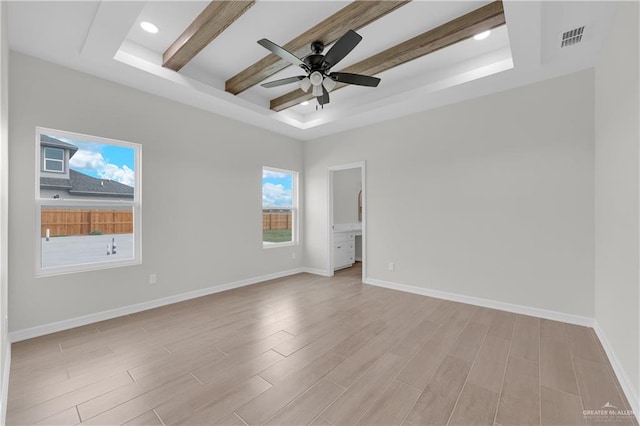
column 317, row 47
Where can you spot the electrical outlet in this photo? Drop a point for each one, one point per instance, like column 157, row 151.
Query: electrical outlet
column 153, row 279
column 293, row 255
column 392, row 266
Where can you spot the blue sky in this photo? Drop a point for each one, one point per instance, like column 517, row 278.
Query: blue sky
column 103, row 161
column 277, row 189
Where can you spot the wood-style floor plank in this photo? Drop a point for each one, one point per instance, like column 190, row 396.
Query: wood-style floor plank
column 306, row 408
column 468, row 343
column 560, row 408
column 426, row 361
column 519, row 399
column 489, row 366
column 583, row 343
column 502, row 325
column 66, row 417
column 435, row 404
column 553, row 330
column 211, row 405
column 230, row 420
column 526, row 337
column 262, row 408
column 71, row 399
column 143, row 403
column 313, row 350
column 183, row 406
column 392, row 406
column 356, row 399
column 476, row 406
column 556, row 368
column 147, row 419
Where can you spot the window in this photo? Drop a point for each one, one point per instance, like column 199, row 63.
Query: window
column 53, row 160
column 89, row 212
column 279, row 207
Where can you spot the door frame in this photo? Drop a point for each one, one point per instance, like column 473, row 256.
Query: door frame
column 362, row 165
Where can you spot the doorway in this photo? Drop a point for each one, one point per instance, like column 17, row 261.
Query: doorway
column 347, row 217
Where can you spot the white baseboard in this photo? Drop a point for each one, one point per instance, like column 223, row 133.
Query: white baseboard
column 41, row 330
column 315, row 271
column 4, row 390
column 627, row 387
column 487, row 303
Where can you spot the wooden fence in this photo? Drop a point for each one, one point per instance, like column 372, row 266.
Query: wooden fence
column 84, row 222
column 276, row 220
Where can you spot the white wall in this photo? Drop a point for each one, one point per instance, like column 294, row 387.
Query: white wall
column 4, row 194
column 617, row 135
column 201, row 193
column 491, row 198
column 346, row 186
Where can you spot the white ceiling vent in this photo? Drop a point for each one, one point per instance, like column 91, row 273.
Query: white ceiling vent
column 569, row 38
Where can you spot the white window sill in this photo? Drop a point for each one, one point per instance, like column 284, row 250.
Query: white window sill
column 49, row 272
column 266, row 245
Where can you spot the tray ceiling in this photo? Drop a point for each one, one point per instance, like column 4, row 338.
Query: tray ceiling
column 105, row 39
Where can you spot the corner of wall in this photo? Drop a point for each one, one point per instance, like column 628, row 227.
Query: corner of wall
column 617, row 199
column 5, row 347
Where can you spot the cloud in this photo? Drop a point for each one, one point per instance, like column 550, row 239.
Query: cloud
column 274, row 174
column 119, row 174
column 275, row 195
column 87, row 160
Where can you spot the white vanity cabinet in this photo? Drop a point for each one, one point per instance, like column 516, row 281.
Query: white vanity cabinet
column 344, row 249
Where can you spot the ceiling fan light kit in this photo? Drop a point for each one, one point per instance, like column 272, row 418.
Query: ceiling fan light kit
column 318, row 67
column 305, row 84
column 316, row 78
column 329, row 83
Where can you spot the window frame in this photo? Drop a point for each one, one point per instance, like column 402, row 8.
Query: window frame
column 40, row 203
column 45, row 159
column 294, row 208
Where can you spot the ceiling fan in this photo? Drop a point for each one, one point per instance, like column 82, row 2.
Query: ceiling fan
column 318, row 66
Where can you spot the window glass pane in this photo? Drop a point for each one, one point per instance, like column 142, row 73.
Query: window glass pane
column 55, row 154
column 53, row 165
column 79, row 236
column 97, row 170
column 277, row 225
column 277, row 189
column 277, row 206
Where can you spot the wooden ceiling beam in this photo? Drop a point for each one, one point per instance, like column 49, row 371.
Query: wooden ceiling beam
column 211, row 22
column 357, row 14
column 461, row 28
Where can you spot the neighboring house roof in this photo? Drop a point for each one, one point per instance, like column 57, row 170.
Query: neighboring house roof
column 46, row 140
column 81, row 184
column 46, row 182
column 85, row 184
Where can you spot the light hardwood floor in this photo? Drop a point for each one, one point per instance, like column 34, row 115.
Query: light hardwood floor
column 313, row 350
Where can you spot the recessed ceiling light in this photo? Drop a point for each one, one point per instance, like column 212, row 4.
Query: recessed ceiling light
column 482, row 35
column 305, row 103
column 149, row 27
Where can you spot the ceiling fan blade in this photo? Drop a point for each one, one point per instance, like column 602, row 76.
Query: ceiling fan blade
column 324, row 99
column 341, row 48
column 282, row 82
column 281, row 52
column 357, row 79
